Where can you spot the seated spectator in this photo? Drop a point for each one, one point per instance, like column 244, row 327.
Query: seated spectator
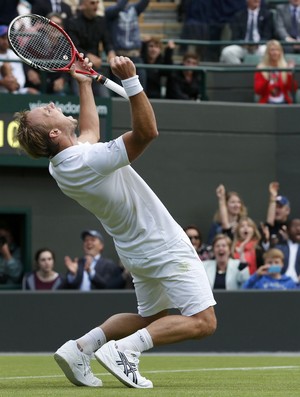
column 195, row 235
column 268, row 276
column 12, row 77
column 291, row 251
column 44, row 277
column 185, row 84
column 275, row 86
column 246, row 244
column 11, row 266
column 224, row 272
column 253, row 24
column 230, row 209
column 287, row 24
column 93, row 271
column 123, row 25
column 278, row 212
column 152, row 53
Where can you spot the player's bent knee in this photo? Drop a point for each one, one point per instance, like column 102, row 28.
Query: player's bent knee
column 206, row 323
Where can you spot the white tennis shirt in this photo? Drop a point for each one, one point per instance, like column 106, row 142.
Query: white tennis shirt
column 99, row 177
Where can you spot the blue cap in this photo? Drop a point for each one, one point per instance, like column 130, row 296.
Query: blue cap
column 93, row 233
column 282, row 200
column 3, row 30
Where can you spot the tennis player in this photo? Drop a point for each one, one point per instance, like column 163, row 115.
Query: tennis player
column 166, row 270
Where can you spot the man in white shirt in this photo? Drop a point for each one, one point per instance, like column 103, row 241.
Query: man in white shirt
column 167, row 272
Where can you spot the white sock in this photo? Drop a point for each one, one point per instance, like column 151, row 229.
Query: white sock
column 91, row 341
column 138, row 342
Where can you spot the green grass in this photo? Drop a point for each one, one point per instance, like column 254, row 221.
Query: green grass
column 174, row 376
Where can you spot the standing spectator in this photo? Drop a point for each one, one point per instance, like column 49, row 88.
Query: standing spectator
column 8, row 11
column 152, row 53
column 11, row 267
column 44, row 277
column 89, row 34
column 291, row 251
column 123, row 24
column 185, row 84
column 93, row 271
column 278, row 213
column 230, row 209
column 268, row 276
column 195, row 235
column 246, row 244
column 252, row 25
column 47, row 82
column 275, row 86
column 45, row 7
column 224, row 272
column 288, row 24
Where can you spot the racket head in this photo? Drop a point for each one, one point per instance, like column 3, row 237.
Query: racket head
column 41, row 43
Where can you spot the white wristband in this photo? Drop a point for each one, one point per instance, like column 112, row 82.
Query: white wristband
column 132, row 86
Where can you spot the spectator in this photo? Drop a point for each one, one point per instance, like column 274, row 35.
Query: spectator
column 47, row 82
column 12, row 77
column 268, row 276
column 288, row 24
column 252, row 25
column 230, row 209
column 185, row 84
column 195, row 15
column 224, row 272
column 11, row 266
column 275, row 86
column 45, row 7
column 195, row 235
column 278, row 213
column 246, row 244
column 122, row 22
column 290, row 249
column 90, row 34
column 44, row 277
column 152, row 54
column 93, row 271
column 8, row 11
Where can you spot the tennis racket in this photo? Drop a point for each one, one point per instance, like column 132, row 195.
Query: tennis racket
column 44, row 45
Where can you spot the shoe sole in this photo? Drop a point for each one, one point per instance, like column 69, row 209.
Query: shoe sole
column 100, row 357
column 65, row 367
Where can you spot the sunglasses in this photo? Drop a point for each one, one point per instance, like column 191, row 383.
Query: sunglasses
column 194, row 237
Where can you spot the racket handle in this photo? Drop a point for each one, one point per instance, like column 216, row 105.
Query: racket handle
column 111, row 85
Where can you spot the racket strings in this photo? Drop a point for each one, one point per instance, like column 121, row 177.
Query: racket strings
column 41, row 44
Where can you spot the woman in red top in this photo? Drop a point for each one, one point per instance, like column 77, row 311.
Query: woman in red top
column 275, row 86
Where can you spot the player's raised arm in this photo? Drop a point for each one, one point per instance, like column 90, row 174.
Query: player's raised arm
column 89, row 125
column 144, row 128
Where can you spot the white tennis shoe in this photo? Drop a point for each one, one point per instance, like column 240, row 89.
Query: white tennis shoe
column 123, row 366
column 76, row 365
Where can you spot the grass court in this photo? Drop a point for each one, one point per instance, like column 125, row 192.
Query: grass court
column 172, row 376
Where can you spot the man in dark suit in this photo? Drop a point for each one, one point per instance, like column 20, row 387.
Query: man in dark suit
column 44, row 7
column 253, row 24
column 288, row 24
column 291, row 250
column 93, row 271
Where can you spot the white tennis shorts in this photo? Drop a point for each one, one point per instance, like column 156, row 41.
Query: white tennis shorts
column 175, row 278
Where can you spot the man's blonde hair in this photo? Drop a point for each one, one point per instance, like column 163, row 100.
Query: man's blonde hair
column 34, row 140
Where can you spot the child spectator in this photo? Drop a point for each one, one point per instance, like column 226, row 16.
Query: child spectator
column 268, row 276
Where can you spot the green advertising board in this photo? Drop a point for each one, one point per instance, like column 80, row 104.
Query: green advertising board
column 10, row 153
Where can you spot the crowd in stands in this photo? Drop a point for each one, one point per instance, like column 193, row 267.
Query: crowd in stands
column 101, row 31
column 238, row 253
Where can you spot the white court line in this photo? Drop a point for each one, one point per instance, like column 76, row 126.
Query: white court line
column 165, row 371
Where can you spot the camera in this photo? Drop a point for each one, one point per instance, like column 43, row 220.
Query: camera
column 2, row 240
